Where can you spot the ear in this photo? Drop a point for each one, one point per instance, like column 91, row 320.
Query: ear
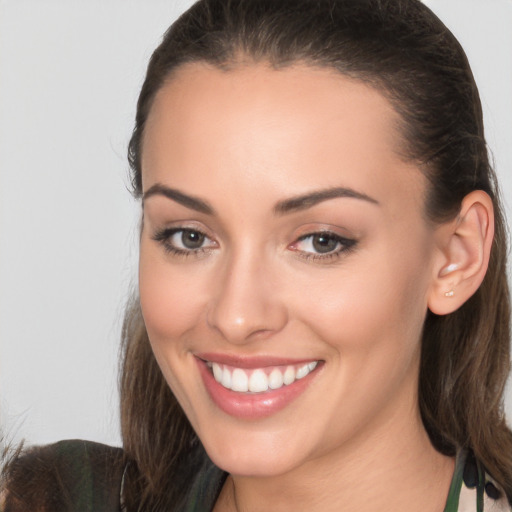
column 464, row 251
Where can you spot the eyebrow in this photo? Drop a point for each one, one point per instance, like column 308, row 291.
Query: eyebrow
column 309, row 200
column 298, row 203
column 194, row 203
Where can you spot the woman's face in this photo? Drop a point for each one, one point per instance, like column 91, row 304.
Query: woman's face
column 285, row 263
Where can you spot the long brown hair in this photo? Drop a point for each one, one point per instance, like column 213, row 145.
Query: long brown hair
column 403, row 50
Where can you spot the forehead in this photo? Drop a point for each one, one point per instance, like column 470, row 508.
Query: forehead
column 302, row 126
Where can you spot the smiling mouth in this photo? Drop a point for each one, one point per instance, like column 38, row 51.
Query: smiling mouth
column 259, row 380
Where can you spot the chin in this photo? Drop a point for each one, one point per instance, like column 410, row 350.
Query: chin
column 250, row 455
column 252, row 465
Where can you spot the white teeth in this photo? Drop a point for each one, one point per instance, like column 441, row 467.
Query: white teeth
column 226, row 378
column 289, row 375
column 217, row 372
column 239, row 381
column 257, row 380
column 275, row 379
column 302, row 372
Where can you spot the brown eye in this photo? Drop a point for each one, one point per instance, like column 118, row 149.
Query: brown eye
column 192, row 239
column 324, row 242
column 184, row 241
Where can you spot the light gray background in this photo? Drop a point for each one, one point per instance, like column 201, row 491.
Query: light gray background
column 70, row 72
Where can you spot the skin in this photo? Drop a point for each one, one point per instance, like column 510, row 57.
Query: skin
column 242, row 141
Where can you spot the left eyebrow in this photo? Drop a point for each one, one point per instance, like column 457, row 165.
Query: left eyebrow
column 306, row 201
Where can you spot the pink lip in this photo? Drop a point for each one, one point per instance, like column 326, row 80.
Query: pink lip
column 252, row 406
column 250, row 362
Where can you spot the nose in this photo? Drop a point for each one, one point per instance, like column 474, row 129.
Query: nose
column 246, row 304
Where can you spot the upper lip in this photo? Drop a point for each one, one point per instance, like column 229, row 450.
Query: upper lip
column 251, row 362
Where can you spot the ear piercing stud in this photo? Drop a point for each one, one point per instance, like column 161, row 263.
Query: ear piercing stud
column 446, row 270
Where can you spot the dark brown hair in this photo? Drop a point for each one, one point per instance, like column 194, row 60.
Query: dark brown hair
column 403, row 50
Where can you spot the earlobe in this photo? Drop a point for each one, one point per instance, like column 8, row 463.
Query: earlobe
column 464, row 250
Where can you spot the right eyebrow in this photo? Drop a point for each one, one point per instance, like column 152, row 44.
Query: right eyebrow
column 194, row 203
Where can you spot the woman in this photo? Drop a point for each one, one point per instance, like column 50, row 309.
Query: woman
column 323, row 320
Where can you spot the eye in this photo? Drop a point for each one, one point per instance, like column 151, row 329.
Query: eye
column 187, row 239
column 184, row 241
column 324, row 244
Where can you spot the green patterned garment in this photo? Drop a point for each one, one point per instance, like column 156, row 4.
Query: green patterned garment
column 472, row 489
column 82, row 476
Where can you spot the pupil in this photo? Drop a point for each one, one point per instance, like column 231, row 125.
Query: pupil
column 192, row 239
column 324, row 243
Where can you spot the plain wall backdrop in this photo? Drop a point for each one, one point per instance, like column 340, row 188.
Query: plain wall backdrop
column 70, row 73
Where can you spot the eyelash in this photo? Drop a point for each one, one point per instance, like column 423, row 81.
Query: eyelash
column 164, row 237
column 343, row 245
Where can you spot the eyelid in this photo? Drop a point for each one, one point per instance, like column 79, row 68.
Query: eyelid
column 344, row 245
column 164, row 235
column 180, row 225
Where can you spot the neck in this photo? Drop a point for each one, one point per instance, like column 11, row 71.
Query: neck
column 388, row 468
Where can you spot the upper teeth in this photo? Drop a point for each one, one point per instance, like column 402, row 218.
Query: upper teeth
column 260, row 379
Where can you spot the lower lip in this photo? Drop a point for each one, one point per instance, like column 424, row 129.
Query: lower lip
column 253, row 406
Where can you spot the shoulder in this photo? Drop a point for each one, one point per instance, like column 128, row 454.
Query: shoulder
column 72, row 475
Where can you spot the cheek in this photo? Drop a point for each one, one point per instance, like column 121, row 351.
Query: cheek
column 378, row 307
column 170, row 301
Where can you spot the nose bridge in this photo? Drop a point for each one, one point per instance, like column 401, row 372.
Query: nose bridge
column 243, row 303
